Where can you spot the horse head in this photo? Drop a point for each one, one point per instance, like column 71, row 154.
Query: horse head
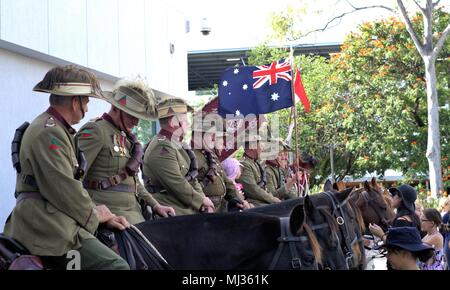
column 373, row 205
column 350, row 223
column 319, row 220
column 326, row 229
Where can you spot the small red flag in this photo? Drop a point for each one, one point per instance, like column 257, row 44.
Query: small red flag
column 299, row 91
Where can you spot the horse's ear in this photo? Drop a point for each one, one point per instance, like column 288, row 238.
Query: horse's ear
column 367, row 186
column 297, row 219
column 308, row 206
column 327, row 186
column 336, row 186
column 343, row 195
column 373, row 182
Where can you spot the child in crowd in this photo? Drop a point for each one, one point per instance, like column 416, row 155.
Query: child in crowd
column 232, row 169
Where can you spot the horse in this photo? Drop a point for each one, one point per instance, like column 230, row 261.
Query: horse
column 375, row 207
column 235, row 241
column 320, row 221
column 350, row 221
column 344, row 222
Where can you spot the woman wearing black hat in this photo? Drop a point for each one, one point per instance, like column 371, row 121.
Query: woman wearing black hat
column 405, row 248
column 403, row 198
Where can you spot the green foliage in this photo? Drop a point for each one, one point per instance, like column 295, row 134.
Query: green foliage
column 264, row 54
column 369, row 101
column 146, row 130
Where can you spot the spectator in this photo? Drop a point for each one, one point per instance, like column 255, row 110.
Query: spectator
column 403, row 200
column 446, row 229
column 430, row 221
column 405, row 248
column 232, row 169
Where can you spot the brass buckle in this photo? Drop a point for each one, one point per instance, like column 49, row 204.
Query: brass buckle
column 114, row 180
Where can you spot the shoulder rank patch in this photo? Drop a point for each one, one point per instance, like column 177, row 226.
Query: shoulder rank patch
column 164, row 151
column 85, row 133
column 50, row 122
column 54, row 144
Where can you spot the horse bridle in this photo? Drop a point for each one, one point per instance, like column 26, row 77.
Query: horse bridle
column 368, row 200
column 338, row 213
column 287, row 237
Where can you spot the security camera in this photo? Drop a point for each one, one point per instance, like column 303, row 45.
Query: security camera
column 205, row 29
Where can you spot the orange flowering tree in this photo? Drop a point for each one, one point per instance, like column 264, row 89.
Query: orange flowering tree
column 381, row 74
column 368, row 102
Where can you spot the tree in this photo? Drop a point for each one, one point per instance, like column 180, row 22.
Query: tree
column 368, row 102
column 428, row 48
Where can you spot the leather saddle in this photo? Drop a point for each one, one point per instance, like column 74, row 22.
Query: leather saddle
column 14, row 256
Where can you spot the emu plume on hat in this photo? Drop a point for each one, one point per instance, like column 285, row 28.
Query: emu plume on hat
column 66, row 81
column 135, row 97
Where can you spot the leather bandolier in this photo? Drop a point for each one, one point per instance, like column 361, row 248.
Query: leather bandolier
column 113, row 183
column 263, row 182
column 190, row 175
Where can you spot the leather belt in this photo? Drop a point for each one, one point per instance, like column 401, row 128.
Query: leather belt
column 116, row 188
column 25, row 195
column 107, row 183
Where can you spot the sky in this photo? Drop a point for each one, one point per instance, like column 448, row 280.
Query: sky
column 245, row 23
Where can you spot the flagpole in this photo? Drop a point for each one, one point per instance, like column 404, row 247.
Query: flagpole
column 297, row 167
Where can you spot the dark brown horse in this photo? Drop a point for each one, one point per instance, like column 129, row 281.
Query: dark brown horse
column 373, row 203
column 333, row 228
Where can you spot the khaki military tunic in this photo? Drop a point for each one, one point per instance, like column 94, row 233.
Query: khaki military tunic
column 166, row 165
column 107, row 152
column 250, row 177
column 221, row 187
column 276, row 182
column 64, row 216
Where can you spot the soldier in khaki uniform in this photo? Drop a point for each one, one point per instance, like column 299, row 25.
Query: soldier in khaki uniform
column 253, row 176
column 170, row 169
column 114, row 154
column 211, row 175
column 54, row 214
column 278, row 183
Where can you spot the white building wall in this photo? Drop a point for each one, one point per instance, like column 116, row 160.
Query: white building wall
column 25, row 22
column 67, row 39
column 116, row 37
column 103, row 36
column 113, row 37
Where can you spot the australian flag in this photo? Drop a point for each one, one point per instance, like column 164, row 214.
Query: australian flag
column 255, row 89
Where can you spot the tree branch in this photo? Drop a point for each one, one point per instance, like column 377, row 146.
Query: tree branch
column 440, row 42
column 420, row 7
column 355, row 9
column 415, row 113
column 436, row 3
column 410, row 28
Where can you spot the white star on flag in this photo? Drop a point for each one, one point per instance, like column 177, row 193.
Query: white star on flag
column 245, row 87
column 275, row 97
column 238, row 113
column 236, row 71
column 225, row 83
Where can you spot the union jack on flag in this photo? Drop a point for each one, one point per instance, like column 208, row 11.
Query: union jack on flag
column 265, row 73
column 255, row 90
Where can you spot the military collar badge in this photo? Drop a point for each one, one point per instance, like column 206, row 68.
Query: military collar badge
column 50, row 122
